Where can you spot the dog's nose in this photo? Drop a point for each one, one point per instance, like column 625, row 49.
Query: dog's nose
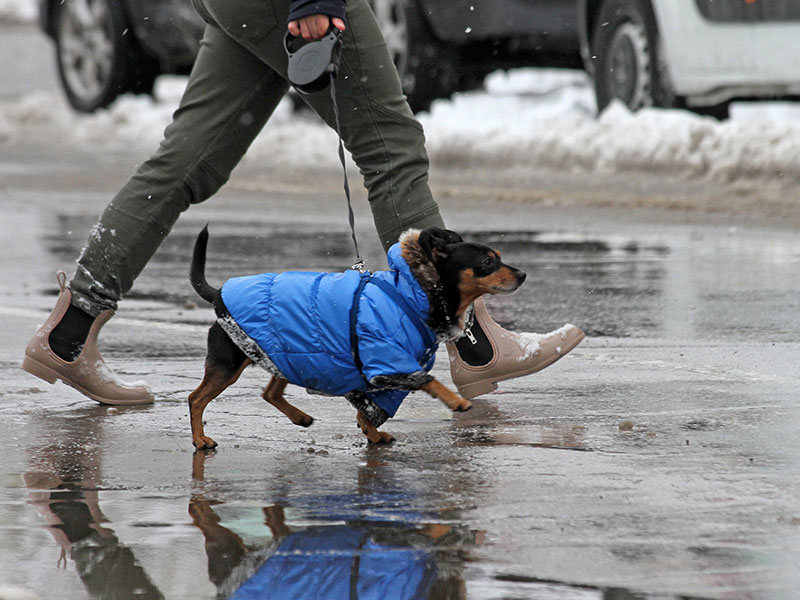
column 521, row 276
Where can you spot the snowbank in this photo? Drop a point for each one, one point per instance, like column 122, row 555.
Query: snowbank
column 18, row 11
column 547, row 117
column 528, row 117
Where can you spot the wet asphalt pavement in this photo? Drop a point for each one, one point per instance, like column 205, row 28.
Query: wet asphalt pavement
column 657, row 460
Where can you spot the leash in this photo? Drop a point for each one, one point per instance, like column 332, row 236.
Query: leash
column 359, row 265
column 428, row 337
column 312, row 67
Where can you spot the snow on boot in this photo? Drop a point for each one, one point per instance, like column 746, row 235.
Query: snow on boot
column 488, row 353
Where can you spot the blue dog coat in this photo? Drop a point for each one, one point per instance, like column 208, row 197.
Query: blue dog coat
column 297, row 326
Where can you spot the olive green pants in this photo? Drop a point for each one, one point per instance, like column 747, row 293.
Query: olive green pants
column 238, row 79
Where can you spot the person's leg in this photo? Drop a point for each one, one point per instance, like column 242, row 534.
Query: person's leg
column 229, row 97
column 378, row 128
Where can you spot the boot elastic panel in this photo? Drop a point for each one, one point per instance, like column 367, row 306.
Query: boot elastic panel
column 69, row 335
column 474, row 348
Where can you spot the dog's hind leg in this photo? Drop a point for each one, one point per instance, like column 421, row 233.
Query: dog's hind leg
column 224, row 364
column 214, row 383
column 373, row 435
column 273, row 394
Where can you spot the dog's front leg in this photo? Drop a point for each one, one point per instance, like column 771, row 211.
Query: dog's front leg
column 373, row 435
column 273, row 394
column 452, row 400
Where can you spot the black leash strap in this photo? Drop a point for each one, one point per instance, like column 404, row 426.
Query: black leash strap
column 359, row 264
column 428, row 337
column 354, row 323
column 306, row 70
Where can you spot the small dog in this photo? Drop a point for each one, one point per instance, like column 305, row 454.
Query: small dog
column 369, row 338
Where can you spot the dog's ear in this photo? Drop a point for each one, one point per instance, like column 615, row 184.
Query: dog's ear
column 434, row 241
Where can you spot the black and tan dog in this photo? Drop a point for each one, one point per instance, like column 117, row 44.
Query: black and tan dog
column 369, row 338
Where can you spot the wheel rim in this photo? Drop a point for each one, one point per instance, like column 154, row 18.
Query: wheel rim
column 391, row 17
column 629, row 66
column 86, row 47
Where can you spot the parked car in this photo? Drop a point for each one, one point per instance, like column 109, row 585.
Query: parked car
column 108, row 47
column 444, row 46
column 697, row 54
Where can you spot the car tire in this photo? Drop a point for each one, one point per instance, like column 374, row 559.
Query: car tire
column 720, row 112
column 625, row 44
column 97, row 55
column 426, row 67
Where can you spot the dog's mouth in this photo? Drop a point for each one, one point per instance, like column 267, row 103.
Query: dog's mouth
column 512, row 283
column 503, row 281
column 507, row 282
column 507, row 289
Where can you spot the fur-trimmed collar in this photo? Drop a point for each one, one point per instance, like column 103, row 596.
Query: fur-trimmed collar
column 441, row 318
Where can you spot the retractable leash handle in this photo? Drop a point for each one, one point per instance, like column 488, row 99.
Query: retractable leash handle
column 311, row 62
column 312, row 67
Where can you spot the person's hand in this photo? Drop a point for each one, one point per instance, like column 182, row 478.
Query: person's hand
column 314, row 27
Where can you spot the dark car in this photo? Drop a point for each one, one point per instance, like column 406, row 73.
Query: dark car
column 108, row 47
column 105, row 48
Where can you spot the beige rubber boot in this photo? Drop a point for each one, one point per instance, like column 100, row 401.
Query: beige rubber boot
column 88, row 373
column 488, row 353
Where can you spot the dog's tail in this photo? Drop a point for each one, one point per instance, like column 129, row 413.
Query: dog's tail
column 197, row 274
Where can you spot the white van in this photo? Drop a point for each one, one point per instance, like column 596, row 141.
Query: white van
column 698, row 54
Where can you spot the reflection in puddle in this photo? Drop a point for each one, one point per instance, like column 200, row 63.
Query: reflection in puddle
column 63, row 485
column 551, row 439
column 486, row 425
column 390, row 536
column 533, row 587
column 398, row 558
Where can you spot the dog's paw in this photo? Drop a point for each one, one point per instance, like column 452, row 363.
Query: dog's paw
column 381, row 438
column 204, row 443
column 305, row 421
column 462, row 406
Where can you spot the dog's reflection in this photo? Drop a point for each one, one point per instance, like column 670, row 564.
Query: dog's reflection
column 353, row 558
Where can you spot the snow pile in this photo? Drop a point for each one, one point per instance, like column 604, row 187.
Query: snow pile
column 528, row 117
column 138, row 122
column 18, row 11
column 547, row 118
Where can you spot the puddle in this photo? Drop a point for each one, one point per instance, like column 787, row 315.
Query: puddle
column 614, row 286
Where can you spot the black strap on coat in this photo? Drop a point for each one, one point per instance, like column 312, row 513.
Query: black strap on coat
column 428, row 337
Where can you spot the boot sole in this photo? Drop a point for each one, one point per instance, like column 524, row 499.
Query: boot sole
column 49, row 375
column 478, row 388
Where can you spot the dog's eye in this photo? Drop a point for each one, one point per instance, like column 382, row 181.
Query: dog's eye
column 487, row 265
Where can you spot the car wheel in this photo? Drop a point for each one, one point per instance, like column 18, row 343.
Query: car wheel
column 627, row 64
column 425, row 66
column 720, row 112
column 97, row 54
